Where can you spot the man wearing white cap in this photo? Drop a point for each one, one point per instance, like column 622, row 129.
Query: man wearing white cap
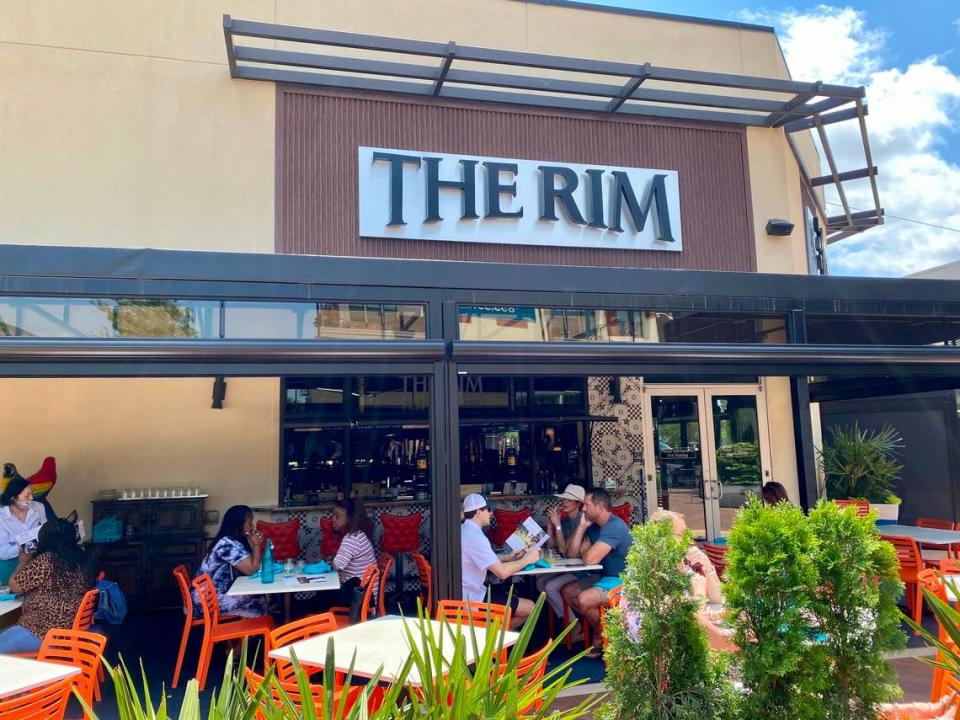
column 477, row 558
column 561, row 528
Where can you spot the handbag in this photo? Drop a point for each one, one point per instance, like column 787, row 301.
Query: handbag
column 356, row 603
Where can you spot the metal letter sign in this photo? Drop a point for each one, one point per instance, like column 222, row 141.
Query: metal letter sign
column 462, row 198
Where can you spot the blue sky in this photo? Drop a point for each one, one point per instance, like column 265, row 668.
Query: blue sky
column 907, row 54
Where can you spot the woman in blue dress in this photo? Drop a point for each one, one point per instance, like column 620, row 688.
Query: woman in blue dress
column 236, row 550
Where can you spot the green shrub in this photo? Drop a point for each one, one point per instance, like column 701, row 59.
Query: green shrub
column 769, row 582
column 664, row 670
column 861, row 464
column 855, row 603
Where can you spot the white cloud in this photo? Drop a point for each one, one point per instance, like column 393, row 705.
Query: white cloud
column 911, row 109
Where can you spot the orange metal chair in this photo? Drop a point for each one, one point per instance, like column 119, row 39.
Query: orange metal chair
column 215, row 631
column 863, row 506
column 79, row 649
column 349, row 696
column 48, row 702
column 295, row 631
column 369, row 584
column 911, row 564
column 718, row 556
column 182, row 576
column 426, row 580
column 478, row 614
column 384, row 563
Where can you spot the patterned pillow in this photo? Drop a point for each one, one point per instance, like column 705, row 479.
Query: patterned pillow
column 401, row 533
column 286, row 544
column 506, row 522
column 624, row 512
column 330, row 540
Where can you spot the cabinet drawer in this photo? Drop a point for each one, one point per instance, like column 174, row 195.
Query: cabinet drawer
column 168, row 549
column 116, row 553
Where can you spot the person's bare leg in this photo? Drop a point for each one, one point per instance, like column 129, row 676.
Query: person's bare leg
column 520, row 615
column 588, row 603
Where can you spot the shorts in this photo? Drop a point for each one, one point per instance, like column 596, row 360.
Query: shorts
column 603, row 584
column 499, row 593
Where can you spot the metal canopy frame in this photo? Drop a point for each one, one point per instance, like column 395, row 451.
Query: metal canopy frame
column 613, row 88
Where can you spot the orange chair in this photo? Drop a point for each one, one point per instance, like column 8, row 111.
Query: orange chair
column 933, row 554
column 48, row 702
column 79, row 649
column 479, row 614
column 88, row 608
column 613, row 600
column 718, row 556
column 295, row 631
column 215, row 631
column 911, row 563
column 349, row 696
column 182, row 577
column 530, row 671
column 862, row 506
column 384, row 563
column 369, row 584
column 426, row 581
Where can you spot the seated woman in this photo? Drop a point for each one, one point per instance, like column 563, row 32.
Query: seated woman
column 236, row 550
column 356, row 549
column 52, row 582
column 19, row 512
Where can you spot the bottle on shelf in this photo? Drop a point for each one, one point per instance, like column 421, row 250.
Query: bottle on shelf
column 266, row 566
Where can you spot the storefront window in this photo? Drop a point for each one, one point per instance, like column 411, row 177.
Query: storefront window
column 529, row 324
column 867, row 330
column 322, row 321
column 109, row 318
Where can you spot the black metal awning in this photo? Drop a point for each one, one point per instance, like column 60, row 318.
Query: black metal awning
column 449, row 71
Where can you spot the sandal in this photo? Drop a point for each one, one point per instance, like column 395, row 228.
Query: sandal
column 595, row 653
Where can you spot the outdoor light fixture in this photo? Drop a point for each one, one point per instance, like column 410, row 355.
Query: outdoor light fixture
column 779, row 227
column 219, row 393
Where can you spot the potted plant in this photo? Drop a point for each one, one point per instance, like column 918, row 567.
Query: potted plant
column 862, row 464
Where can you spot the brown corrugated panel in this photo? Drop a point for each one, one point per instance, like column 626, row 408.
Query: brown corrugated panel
column 318, row 134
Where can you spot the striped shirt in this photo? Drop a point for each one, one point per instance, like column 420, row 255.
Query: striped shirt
column 355, row 553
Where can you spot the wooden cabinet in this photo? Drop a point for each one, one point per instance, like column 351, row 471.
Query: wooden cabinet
column 158, row 535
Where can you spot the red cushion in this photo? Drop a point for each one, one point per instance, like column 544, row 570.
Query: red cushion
column 401, row 533
column 506, row 522
column 284, row 537
column 624, row 512
column 330, row 540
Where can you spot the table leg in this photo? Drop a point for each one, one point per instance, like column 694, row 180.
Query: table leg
column 287, row 599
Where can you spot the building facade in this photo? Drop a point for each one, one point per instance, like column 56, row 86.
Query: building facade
column 433, row 247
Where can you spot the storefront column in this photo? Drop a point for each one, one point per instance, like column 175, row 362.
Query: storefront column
column 445, row 498
column 802, row 424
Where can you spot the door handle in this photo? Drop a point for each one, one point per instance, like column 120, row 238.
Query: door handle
column 700, row 490
column 720, row 487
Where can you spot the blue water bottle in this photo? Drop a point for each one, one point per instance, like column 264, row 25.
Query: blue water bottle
column 266, row 567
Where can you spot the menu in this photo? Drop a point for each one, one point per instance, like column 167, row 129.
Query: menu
column 527, row 536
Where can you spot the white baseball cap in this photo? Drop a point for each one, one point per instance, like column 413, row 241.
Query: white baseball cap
column 573, row 492
column 473, row 501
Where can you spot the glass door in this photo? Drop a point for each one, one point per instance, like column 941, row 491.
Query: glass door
column 709, row 449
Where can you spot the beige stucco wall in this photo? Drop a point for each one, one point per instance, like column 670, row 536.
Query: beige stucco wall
column 140, row 433
column 121, row 125
column 783, row 454
column 776, row 193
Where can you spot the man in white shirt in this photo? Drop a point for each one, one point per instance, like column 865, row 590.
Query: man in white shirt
column 478, row 558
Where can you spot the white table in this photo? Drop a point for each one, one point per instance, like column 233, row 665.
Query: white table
column 927, row 536
column 382, row 644
column 8, row 606
column 285, row 585
column 18, row 675
column 563, row 565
